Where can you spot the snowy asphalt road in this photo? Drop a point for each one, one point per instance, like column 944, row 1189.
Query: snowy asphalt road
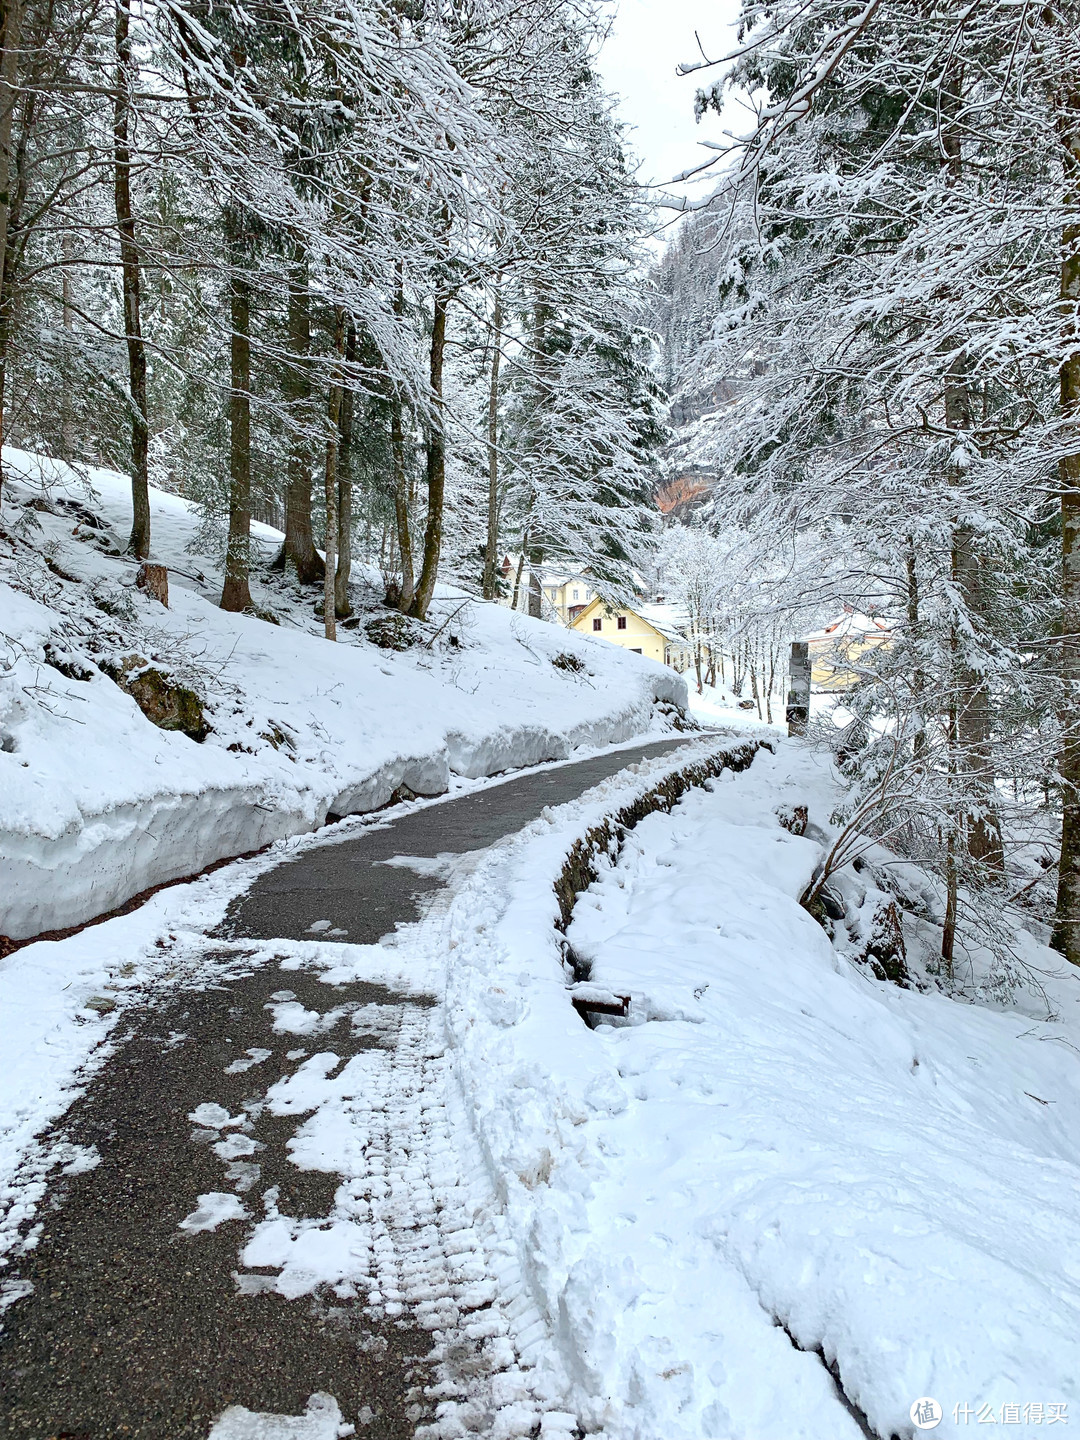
column 138, row 1328
column 349, row 884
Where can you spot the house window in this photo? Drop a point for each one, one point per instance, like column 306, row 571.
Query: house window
column 635, row 650
column 588, row 594
column 622, row 622
column 596, row 624
column 551, row 594
column 575, row 594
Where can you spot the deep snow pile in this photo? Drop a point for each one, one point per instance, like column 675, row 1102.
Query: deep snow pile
column 97, row 803
column 777, row 1157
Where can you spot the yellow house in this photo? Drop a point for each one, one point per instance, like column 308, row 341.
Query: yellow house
column 839, row 646
column 622, row 626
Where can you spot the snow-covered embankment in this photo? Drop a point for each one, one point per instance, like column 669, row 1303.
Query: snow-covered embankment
column 777, row 1163
column 98, row 804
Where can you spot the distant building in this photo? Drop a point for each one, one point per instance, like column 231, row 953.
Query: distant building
column 835, row 649
column 650, row 630
column 562, row 594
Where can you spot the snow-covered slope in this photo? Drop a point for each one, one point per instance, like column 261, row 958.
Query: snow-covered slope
column 777, row 1164
column 97, row 803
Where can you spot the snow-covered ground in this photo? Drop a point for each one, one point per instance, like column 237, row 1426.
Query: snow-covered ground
column 97, row 803
column 777, row 1161
column 426, row 1236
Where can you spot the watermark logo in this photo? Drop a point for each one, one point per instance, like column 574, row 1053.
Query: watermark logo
column 926, row 1414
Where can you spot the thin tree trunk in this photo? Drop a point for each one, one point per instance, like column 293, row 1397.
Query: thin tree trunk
column 490, row 586
column 973, row 719
column 401, row 503
column 1066, row 935
column 236, row 592
column 982, row 827
column 400, row 476
column 918, row 676
column 11, row 15
column 298, row 550
column 342, row 608
column 333, row 440
column 436, row 466
column 520, row 571
column 67, row 251
column 139, row 542
column 948, row 929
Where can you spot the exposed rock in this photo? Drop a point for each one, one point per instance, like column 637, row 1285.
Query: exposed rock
column 391, row 632
column 884, row 951
column 164, row 703
column 794, row 818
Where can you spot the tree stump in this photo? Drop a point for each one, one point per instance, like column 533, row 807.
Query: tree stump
column 154, row 579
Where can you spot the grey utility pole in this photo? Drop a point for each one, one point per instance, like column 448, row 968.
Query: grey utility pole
column 798, row 698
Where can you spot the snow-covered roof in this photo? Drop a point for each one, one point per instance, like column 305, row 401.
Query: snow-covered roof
column 668, row 619
column 852, row 623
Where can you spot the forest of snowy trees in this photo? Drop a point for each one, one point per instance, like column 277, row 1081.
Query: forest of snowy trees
column 872, row 346
column 366, row 272
column 375, row 274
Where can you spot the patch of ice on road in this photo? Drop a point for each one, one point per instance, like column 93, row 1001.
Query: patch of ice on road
column 243, row 1174
column 77, row 1159
column 234, row 1147
column 295, row 1054
column 283, row 995
column 293, row 1018
column 214, row 1208
column 254, row 1056
column 318, row 926
column 214, row 1117
column 320, row 1421
column 439, row 866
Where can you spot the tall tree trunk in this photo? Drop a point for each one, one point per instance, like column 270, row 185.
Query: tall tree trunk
column 400, row 478
column 491, row 545
column 918, row 675
column 1066, row 935
column 982, row 828
column 436, row 465
column 11, row 15
column 342, row 608
column 236, row 592
column 333, row 442
column 298, row 550
column 67, row 251
column 139, row 542
column 401, row 503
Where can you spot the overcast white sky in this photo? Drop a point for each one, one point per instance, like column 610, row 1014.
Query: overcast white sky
column 649, row 39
